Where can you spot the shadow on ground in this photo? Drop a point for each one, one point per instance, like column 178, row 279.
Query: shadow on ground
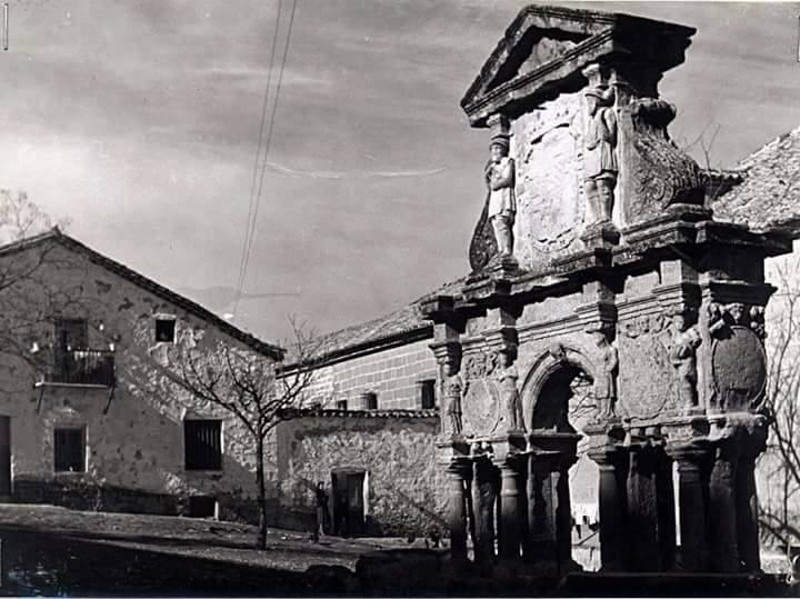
column 53, row 564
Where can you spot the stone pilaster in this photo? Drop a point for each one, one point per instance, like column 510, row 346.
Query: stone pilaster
column 483, row 505
column 692, row 481
column 723, row 542
column 643, row 510
column 747, row 515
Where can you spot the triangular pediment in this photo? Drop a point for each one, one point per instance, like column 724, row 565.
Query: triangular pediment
column 545, row 46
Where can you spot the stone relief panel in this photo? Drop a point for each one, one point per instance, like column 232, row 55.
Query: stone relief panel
column 644, row 347
column 738, row 357
column 481, row 407
column 550, row 201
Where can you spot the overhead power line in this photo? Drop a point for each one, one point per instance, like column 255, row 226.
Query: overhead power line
column 255, row 203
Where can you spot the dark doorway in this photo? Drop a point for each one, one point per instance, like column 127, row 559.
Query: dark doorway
column 348, row 502
column 5, row 457
column 202, row 506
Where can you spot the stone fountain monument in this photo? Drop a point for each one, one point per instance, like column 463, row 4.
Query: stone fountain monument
column 596, row 258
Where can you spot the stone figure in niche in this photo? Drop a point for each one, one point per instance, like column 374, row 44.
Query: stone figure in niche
column 507, row 377
column 453, row 390
column 683, row 356
column 502, row 202
column 600, row 156
column 606, row 387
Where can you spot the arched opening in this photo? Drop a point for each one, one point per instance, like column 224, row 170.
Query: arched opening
column 562, row 481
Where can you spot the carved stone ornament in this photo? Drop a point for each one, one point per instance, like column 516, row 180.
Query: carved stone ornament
column 739, row 369
column 507, row 378
column 659, row 173
column 605, row 386
column 644, row 345
column 481, row 398
column 722, row 316
column 600, row 157
column 500, row 178
column 683, row 356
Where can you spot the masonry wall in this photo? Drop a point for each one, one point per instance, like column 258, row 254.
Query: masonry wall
column 394, row 375
column 134, row 437
column 404, row 483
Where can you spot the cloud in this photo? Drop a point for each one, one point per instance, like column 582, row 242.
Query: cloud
column 318, row 174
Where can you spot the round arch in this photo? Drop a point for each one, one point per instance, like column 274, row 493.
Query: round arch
column 552, row 363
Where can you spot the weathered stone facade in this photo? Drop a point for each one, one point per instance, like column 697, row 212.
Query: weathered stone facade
column 392, row 453
column 133, row 426
column 622, row 278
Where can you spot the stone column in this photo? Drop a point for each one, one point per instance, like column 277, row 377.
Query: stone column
column 691, row 496
column 612, row 503
column 665, row 503
column 723, row 546
column 510, row 513
column 747, row 515
column 456, row 515
column 540, row 544
column 483, row 505
column 563, row 517
column 643, row 511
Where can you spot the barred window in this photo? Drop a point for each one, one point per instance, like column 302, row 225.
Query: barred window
column 203, row 444
column 69, row 449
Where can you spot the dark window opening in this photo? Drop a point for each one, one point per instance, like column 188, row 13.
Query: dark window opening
column 72, row 334
column 428, row 394
column 202, row 506
column 70, row 449
column 165, row 330
column 341, row 404
column 203, row 444
column 371, row 401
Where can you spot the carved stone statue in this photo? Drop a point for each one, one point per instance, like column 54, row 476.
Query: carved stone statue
column 453, row 390
column 683, row 356
column 499, row 174
column 507, row 377
column 606, row 387
column 600, row 157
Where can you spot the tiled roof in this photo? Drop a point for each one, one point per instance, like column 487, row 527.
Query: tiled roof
column 399, row 325
column 769, row 196
column 55, row 235
column 320, row 413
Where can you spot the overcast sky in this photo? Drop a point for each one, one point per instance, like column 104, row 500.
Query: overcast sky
column 139, row 121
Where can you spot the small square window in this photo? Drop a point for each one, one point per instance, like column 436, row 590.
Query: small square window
column 370, row 401
column 69, row 446
column 341, row 404
column 165, row 330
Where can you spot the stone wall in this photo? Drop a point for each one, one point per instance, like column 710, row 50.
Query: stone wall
column 134, row 436
column 392, row 374
column 404, row 484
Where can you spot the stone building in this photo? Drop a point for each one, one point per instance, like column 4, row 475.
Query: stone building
column 88, row 416
column 628, row 285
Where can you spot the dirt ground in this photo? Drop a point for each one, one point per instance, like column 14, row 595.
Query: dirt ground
column 192, row 537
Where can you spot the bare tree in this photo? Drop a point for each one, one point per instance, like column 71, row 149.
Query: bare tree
column 253, row 388
column 780, row 464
